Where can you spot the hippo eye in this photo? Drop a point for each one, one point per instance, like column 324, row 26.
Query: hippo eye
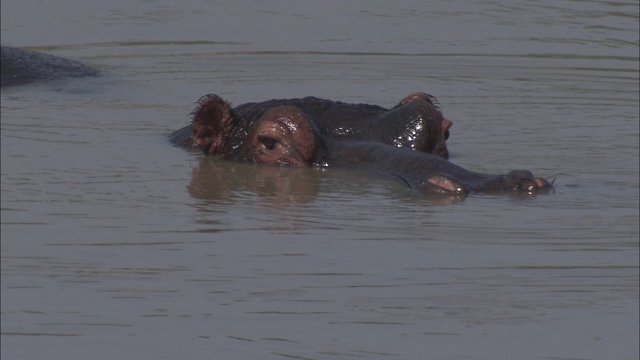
column 446, row 134
column 269, row 143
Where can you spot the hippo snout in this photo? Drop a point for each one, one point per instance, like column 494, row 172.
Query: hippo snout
column 524, row 181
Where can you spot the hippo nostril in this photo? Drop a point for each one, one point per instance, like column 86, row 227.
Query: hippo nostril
column 543, row 184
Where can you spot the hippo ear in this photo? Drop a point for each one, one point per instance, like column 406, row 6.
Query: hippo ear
column 418, row 96
column 446, row 125
column 213, row 121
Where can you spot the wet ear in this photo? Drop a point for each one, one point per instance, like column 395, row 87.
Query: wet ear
column 213, row 121
column 418, row 96
column 446, row 125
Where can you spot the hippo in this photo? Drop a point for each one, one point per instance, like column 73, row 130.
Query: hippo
column 415, row 122
column 21, row 67
column 290, row 133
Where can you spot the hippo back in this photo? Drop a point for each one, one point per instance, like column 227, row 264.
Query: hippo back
column 23, row 67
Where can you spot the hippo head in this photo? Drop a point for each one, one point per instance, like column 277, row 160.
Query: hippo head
column 279, row 133
column 281, row 136
column 415, row 123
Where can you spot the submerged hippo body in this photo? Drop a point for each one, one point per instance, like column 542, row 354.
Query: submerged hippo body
column 415, row 123
column 429, row 173
column 23, row 67
column 289, row 134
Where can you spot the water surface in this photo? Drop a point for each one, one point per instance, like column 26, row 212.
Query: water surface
column 117, row 245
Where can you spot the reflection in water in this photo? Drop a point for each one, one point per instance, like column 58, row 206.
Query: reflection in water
column 217, row 180
column 273, row 198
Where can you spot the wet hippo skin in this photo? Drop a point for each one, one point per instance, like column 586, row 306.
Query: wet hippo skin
column 415, row 123
column 290, row 133
column 21, row 67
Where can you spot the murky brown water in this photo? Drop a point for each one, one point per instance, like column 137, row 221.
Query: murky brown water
column 117, row 245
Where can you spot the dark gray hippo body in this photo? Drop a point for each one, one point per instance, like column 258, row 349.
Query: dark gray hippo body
column 309, row 132
column 429, row 173
column 415, row 122
column 21, row 67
